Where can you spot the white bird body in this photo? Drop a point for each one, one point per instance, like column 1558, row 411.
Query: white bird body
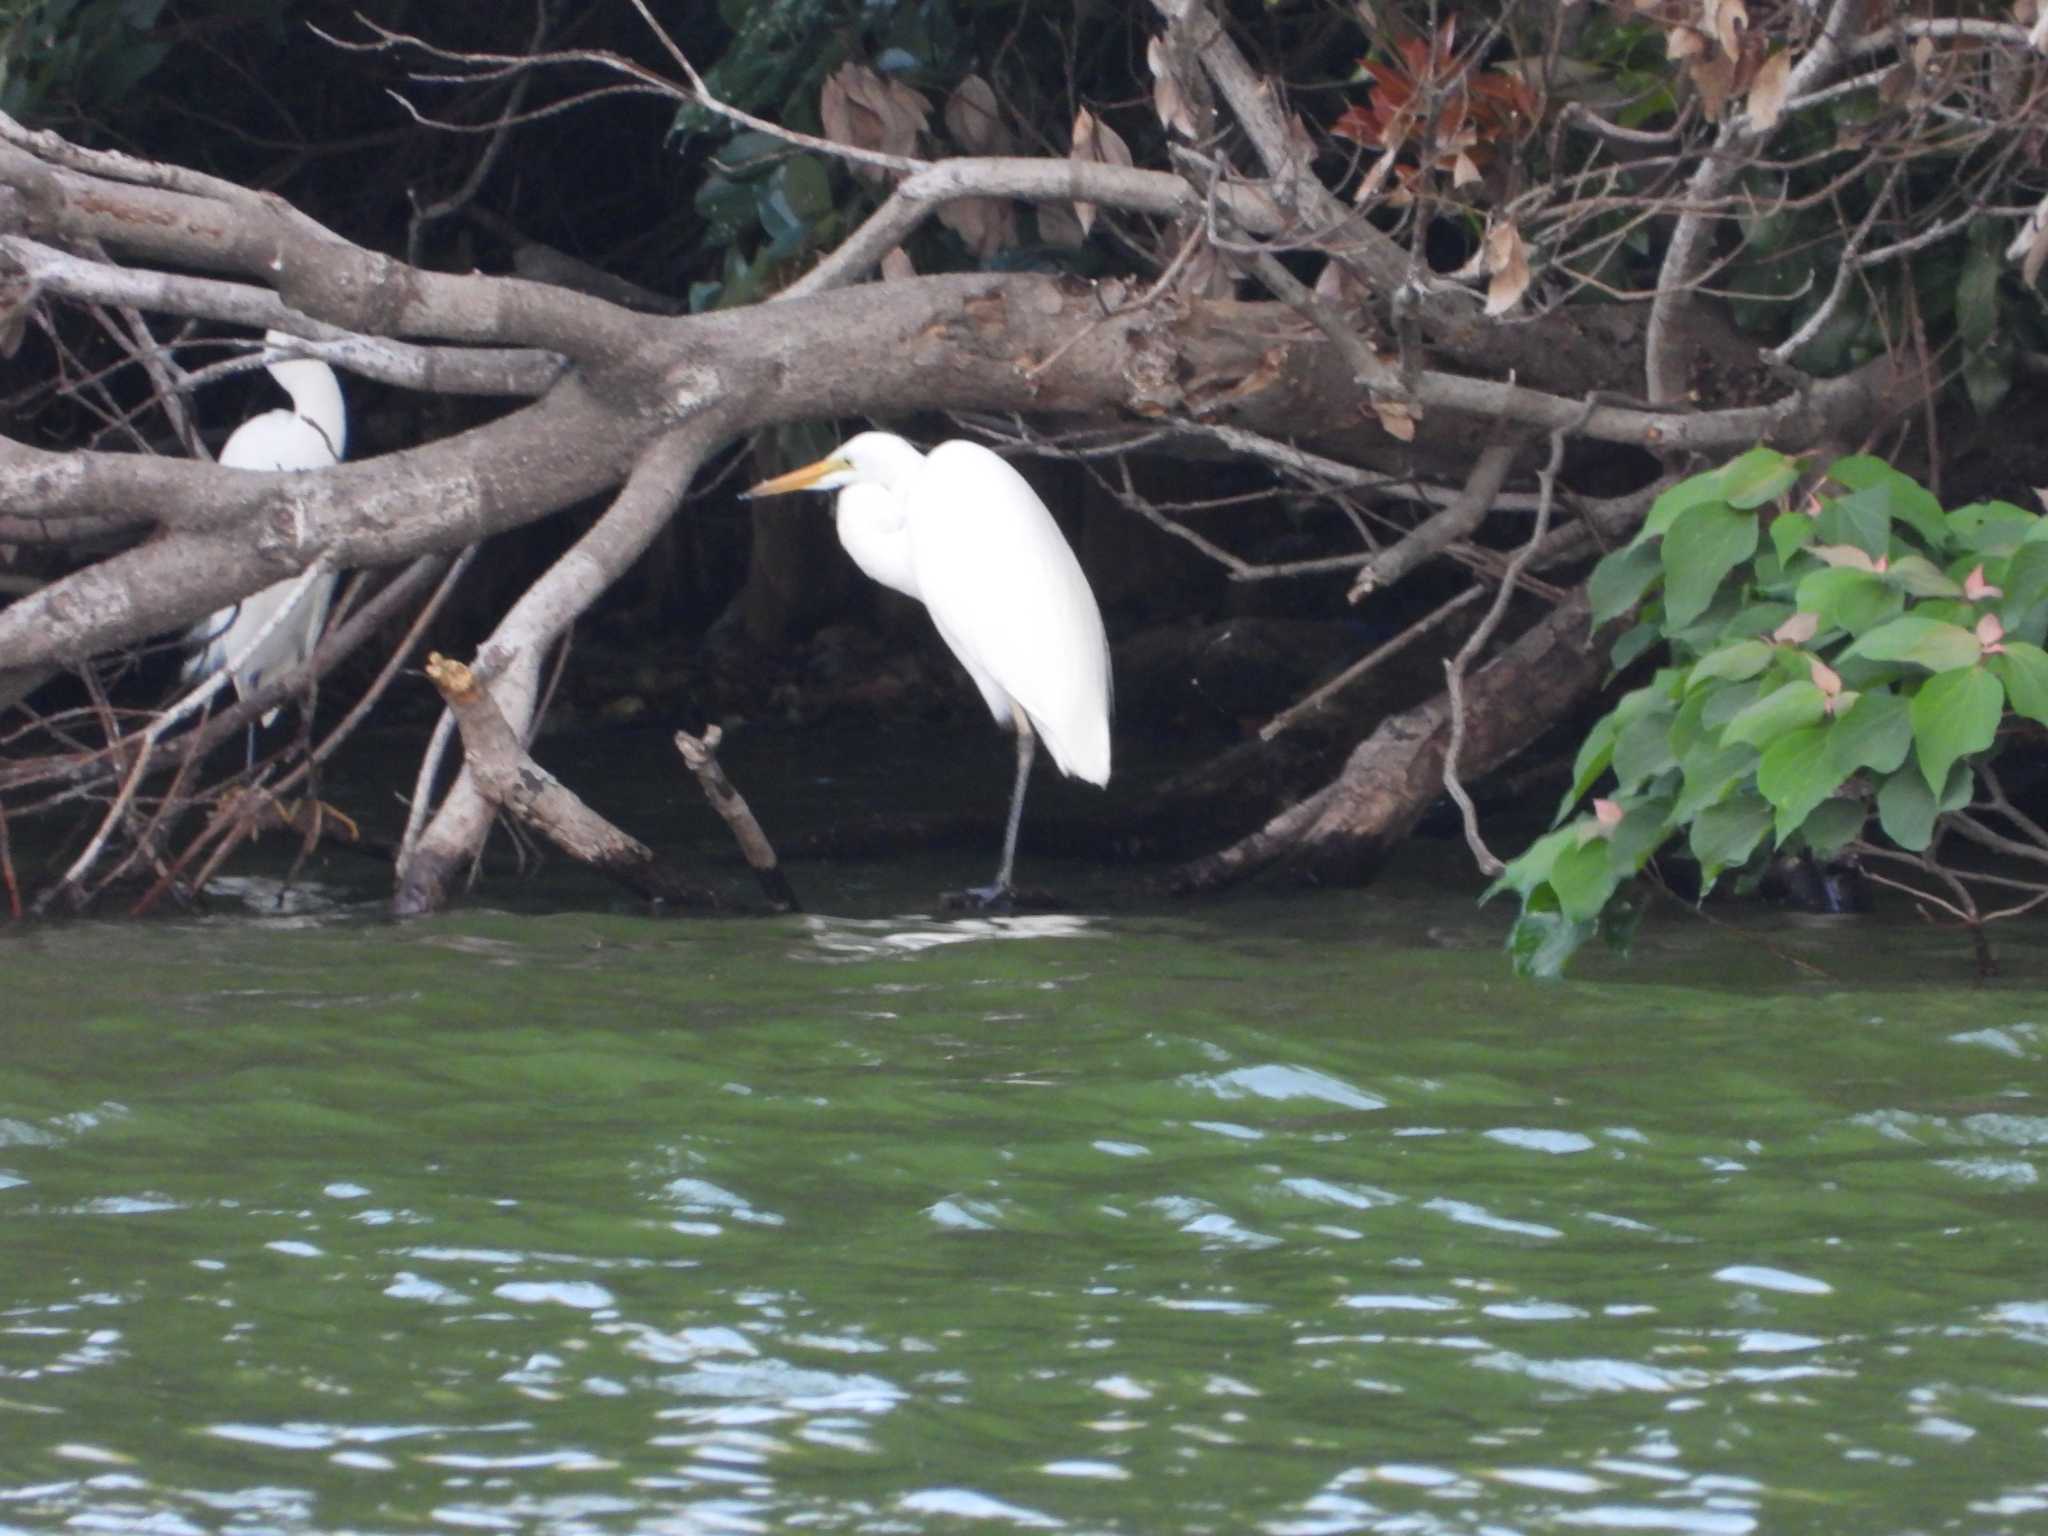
column 312, row 435
column 1009, row 599
column 964, row 533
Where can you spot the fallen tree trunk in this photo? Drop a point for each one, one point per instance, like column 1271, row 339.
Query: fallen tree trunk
column 522, row 789
column 1342, row 832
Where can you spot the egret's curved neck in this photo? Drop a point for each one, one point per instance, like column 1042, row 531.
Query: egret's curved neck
column 890, row 461
column 316, row 395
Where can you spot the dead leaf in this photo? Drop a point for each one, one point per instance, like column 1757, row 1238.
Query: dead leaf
column 1684, row 43
column 896, row 265
column 2030, row 246
column 1825, row 678
column 1095, row 142
column 1797, row 630
column 1169, row 101
column 1990, row 633
column 860, row 108
column 1398, row 417
column 1767, row 92
column 1508, row 259
column 1463, row 171
column 1726, row 21
column 975, row 120
column 1976, row 588
column 1845, row 555
column 1714, row 77
column 1058, row 226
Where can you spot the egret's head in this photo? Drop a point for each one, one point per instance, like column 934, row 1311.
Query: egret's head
column 872, row 458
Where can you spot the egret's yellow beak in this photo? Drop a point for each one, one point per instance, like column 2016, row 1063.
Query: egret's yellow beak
column 796, row 480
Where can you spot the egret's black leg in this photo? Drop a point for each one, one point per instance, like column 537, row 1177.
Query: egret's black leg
column 1027, row 746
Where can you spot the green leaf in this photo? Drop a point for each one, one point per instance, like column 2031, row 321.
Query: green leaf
column 1532, row 869
column 1849, row 599
column 1702, row 547
column 1745, row 658
column 1596, row 752
column 808, row 186
column 1924, row 642
column 1905, row 809
column 1696, row 490
column 1992, row 527
column 1787, row 708
column 1905, row 499
column 1862, row 518
column 1759, row 621
column 2023, row 668
column 1834, row 822
column 1791, row 532
column 1875, row 733
column 1709, row 773
column 1758, row 476
column 2025, row 580
column 1794, row 774
column 1619, row 581
column 1921, row 577
column 1727, row 834
column 1540, row 944
column 1954, row 714
column 1643, row 830
column 1643, row 750
column 1583, row 878
column 1977, row 295
column 1960, row 790
column 1633, row 644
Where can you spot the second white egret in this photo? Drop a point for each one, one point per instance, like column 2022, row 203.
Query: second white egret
column 963, row 533
column 311, row 435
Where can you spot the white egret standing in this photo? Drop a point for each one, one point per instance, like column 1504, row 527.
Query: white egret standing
column 311, row 435
column 964, row 533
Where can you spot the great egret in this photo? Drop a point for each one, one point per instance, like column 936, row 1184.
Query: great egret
column 964, row 533
column 311, row 435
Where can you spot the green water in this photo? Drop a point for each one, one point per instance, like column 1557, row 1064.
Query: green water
column 1291, row 1215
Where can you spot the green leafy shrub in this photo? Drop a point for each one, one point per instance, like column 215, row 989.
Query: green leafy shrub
column 1835, row 671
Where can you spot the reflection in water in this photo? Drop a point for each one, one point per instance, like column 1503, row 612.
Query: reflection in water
column 865, row 938
column 592, row 1225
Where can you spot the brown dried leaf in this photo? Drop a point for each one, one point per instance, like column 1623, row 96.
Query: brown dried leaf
column 1684, row 43
column 985, row 225
column 1095, row 142
column 1714, row 77
column 975, row 120
column 1168, row 100
column 1398, row 417
column 860, row 108
column 1798, row 629
column 1463, row 171
column 1337, row 286
column 1507, row 258
column 1058, row 226
column 1767, row 92
column 896, row 265
column 1726, row 21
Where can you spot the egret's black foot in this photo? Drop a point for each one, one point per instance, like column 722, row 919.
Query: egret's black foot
column 999, row 900
column 995, row 899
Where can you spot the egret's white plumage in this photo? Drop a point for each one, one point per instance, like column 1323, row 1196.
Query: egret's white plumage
column 311, row 435
column 964, row 533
